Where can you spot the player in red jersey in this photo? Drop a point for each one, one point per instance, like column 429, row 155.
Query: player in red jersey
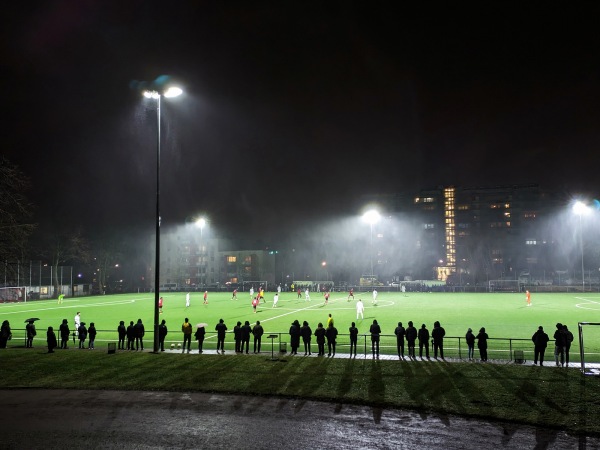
column 351, row 294
column 234, row 296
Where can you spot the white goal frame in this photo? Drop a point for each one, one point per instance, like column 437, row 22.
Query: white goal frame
column 504, row 286
column 580, row 326
column 12, row 294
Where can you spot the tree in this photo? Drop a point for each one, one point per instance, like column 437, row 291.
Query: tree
column 15, row 213
column 68, row 247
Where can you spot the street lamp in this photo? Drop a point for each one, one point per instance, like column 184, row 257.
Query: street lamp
column 371, row 217
column 156, row 95
column 580, row 209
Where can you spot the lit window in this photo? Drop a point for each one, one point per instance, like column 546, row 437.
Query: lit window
column 231, row 259
column 429, row 226
column 531, row 242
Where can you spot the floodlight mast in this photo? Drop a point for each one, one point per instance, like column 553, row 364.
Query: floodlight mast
column 372, row 216
column 580, row 209
column 155, row 95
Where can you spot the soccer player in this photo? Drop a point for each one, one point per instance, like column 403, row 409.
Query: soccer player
column 307, row 295
column 275, row 300
column 279, row 289
column 403, row 289
column 206, row 297
column 326, row 297
column 60, row 298
column 528, row 298
column 234, row 296
column 252, row 292
column 187, row 300
column 160, row 303
column 262, row 294
column 77, row 321
column 255, row 302
column 299, row 293
column 351, row 294
column 374, row 296
column 360, row 309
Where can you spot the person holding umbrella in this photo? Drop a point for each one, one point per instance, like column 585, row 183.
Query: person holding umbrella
column 30, row 330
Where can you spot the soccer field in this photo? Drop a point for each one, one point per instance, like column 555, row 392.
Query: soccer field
column 504, row 315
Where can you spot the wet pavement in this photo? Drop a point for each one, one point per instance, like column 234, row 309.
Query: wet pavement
column 35, row 418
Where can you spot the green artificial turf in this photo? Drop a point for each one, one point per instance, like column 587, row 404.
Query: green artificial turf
column 504, row 315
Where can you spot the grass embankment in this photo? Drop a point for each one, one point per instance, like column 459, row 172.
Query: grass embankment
column 552, row 397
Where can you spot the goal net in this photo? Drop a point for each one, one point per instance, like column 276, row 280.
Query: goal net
column 13, row 294
column 246, row 285
column 504, row 286
column 589, row 349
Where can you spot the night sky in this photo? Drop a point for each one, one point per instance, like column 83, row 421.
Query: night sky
column 292, row 110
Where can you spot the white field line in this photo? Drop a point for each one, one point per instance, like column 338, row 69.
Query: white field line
column 587, row 301
column 79, row 306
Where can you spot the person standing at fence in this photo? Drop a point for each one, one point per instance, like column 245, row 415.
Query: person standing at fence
column 423, row 336
column 199, row 335
column 568, row 341
column 51, row 340
column 31, row 333
column 130, row 335
column 162, row 334
column 246, row 331
column 320, row 335
column 470, row 338
column 122, row 331
column 559, row 345
column 360, row 309
column 353, row 338
column 294, row 337
column 257, row 332
column 186, row 328
column 411, row 337
column 437, row 335
column 82, row 332
column 540, row 342
column 92, row 335
column 221, row 329
column 5, row 334
column 331, row 334
column 237, row 336
column 139, row 335
column 306, row 334
column 482, row 338
column 375, row 331
column 400, row 332
column 64, row 331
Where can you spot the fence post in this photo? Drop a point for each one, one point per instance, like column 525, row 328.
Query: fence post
column 459, row 352
column 510, row 349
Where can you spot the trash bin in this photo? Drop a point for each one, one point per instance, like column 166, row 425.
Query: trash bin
column 112, row 347
column 283, row 347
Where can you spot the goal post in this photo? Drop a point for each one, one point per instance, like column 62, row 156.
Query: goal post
column 13, row 294
column 504, row 286
column 580, row 326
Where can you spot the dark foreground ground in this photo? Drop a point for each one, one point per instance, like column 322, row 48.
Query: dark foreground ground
column 33, row 418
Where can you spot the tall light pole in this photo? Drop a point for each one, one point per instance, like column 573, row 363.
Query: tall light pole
column 371, row 217
column 156, row 95
column 200, row 223
column 580, row 209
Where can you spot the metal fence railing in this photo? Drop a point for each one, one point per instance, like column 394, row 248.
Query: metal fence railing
column 454, row 347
